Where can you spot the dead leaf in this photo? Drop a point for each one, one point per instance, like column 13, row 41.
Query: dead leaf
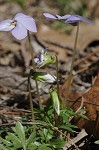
column 91, row 104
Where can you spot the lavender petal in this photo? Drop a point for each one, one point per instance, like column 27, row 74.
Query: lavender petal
column 50, row 16
column 5, row 25
column 19, row 32
column 72, row 19
column 84, row 19
column 63, row 17
column 27, row 21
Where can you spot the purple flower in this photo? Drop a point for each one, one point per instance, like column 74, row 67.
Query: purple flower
column 70, row 19
column 43, row 59
column 19, row 25
column 40, row 58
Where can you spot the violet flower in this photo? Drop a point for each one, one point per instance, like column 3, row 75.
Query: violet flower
column 70, row 19
column 19, row 25
column 43, row 59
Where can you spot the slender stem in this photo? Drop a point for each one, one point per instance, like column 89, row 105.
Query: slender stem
column 34, row 68
column 31, row 52
column 57, row 75
column 72, row 65
column 30, row 98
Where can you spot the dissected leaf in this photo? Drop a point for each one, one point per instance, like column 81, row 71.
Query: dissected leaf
column 58, row 143
column 3, row 147
column 32, row 146
column 44, row 147
column 31, row 138
column 66, row 127
column 7, row 143
column 21, row 133
column 14, row 139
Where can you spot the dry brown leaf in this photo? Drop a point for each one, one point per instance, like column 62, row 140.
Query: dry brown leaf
column 91, row 104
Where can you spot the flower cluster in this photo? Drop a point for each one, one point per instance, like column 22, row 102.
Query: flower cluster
column 21, row 24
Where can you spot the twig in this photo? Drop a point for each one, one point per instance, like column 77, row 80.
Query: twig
column 71, row 143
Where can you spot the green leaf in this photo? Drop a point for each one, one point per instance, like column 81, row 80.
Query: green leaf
column 37, row 143
column 3, row 147
column 41, row 135
column 14, row 139
column 21, row 133
column 66, row 128
column 82, row 111
column 65, row 118
column 7, row 143
column 40, row 122
column 32, row 146
column 44, row 147
column 47, row 134
column 58, row 143
column 83, row 116
column 31, row 138
column 97, row 142
column 70, row 112
column 72, row 126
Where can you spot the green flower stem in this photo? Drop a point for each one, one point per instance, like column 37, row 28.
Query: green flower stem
column 57, row 75
column 72, row 65
column 34, row 68
column 30, row 97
